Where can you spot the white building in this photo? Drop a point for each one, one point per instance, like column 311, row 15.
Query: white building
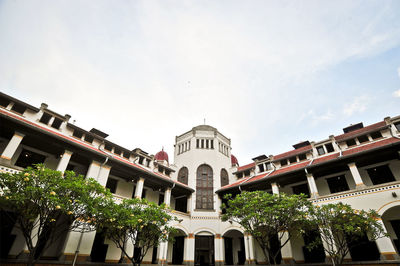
column 360, row 167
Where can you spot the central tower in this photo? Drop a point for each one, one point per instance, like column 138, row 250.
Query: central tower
column 203, row 159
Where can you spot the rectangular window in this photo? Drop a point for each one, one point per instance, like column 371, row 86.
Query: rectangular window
column 117, row 151
column 202, row 143
column 212, row 144
column 381, row 174
column 144, row 193
column 293, row 159
column 302, row 157
column 126, row 154
column 207, row 144
column 112, row 185
column 45, row 118
column 56, row 123
column 320, row 150
column 4, row 102
column 141, row 159
column 376, row 135
column 303, row 188
column 108, row 147
column 240, row 175
column 160, row 199
column 197, row 143
column 268, row 166
column 29, row 158
column 363, row 139
column 329, row 147
column 77, row 133
column 351, row 142
column 89, row 138
column 261, row 167
column 284, row 162
column 337, row 184
column 18, row 108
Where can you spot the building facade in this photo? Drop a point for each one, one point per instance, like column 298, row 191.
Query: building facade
column 360, row 167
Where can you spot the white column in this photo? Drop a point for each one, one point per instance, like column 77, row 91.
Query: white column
column 275, row 188
column 167, row 197
column 219, row 255
column 189, row 250
column 189, row 203
column 162, row 254
column 286, row 251
column 356, row 175
column 64, row 160
column 312, row 185
column 385, row 246
column 139, row 188
column 249, row 249
column 12, row 146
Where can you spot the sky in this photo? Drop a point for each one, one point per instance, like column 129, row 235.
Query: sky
column 266, row 74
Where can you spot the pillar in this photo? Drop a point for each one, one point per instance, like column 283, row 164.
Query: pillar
column 139, row 188
column 12, row 146
column 219, row 254
column 249, row 249
column 64, row 160
column 356, row 175
column 385, row 246
column 189, row 203
column 162, row 253
column 275, row 189
column 167, row 196
column 286, row 251
column 188, row 257
column 312, row 185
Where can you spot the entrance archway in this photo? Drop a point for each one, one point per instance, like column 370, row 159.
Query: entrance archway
column 391, row 220
column 204, row 249
column 178, row 247
column 235, row 253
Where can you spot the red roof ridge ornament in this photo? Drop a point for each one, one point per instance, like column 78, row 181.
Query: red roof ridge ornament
column 234, row 160
column 161, row 156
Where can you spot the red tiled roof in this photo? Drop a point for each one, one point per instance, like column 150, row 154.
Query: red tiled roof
column 371, row 146
column 81, row 143
column 292, row 153
column 245, row 167
column 361, row 131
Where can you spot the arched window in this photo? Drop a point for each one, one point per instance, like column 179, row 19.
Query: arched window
column 224, row 178
column 204, row 188
column 183, row 175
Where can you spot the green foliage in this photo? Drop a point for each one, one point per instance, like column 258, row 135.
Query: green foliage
column 265, row 215
column 138, row 222
column 339, row 225
column 49, row 203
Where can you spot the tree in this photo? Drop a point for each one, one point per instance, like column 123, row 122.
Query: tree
column 137, row 222
column 48, row 203
column 266, row 216
column 341, row 227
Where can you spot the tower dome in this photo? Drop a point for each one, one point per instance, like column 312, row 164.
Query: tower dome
column 234, row 161
column 161, row 156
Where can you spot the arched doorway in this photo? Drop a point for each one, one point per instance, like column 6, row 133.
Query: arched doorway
column 391, row 220
column 204, row 249
column 235, row 253
column 178, row 247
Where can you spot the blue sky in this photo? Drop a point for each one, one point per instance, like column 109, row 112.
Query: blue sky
column 267, row 74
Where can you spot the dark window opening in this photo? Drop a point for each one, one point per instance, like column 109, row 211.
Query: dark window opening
column 4, row 102
column 363, row 138
column 29, row 158
column 18, row 108
column 302, row 157
column 381, row 174
column 337, row 184
column 144, row 193
column 397, row 125
column 284, row 162
column 70, row 167
column 167, row 172
column 181, row 204
column 77, row 133
column 376, row 135
column 361, row 249
column 160, row 169
column 45, row 118
column 89, row 138
column 329, row 147
column 303, row 188
column 202, row 143
column 112, row 185
column 246, row 173
column 207, row 144
column 293, row 159
column 351, row 142
column 320, row 150
column 56, row 123
column 240, row 175
column 197, row 143
column 224, row 178
column 183, row 175
column 126, row 154
column 317, row 254
column 261, row 167
column 160, row 199
column 212, row 144
column 117, row 151
column 141, row 159
column 108, row 147
column 133, row 192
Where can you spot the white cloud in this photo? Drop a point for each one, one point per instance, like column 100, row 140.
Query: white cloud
column 358, row 105
column 396, row 94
